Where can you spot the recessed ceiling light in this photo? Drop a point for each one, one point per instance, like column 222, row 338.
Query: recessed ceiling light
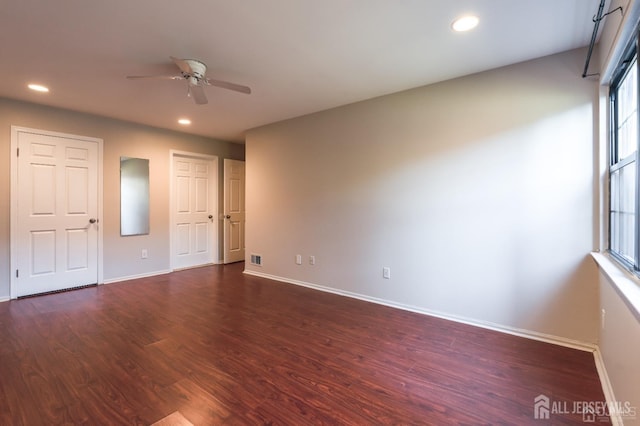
column 38, row 88
column 184, row 121
column 465, row 23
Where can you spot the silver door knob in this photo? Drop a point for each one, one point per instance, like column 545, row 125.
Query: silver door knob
column 92, row 220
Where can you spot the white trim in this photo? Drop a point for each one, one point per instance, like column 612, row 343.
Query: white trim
column 216, row 228
column 13, row 262
column 100, row 212
column 137, row 276
column 534, row 335
column 626, row 284
column 624, row 33
column 607, row 388
column 4, row 299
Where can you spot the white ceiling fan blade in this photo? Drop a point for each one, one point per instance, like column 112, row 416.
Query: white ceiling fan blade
column 197, row 93
column 156, row 77
column 182, row 64
column 228, row 85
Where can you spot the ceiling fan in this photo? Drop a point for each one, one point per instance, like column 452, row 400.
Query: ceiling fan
column 194, row 72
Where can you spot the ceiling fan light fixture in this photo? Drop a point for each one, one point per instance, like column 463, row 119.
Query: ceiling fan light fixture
column 38, row 88
column 465, row 23
column 184, row 121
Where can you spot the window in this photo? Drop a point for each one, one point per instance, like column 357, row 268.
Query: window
column 623, row 176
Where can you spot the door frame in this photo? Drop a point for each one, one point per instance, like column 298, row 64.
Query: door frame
column 13, row 245
column 216, row 191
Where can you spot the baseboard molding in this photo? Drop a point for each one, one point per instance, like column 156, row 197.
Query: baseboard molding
column 529, row 334
column 4, row 299
column 135, row 277
column 607, row 388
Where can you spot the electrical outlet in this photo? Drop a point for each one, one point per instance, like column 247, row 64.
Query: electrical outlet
column 386, row 273
column 312, row 260
column 144, row 254
column 298, row 259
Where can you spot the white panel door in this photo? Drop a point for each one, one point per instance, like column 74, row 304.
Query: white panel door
column 234, row 210
column 57, row 212
column 194, row 200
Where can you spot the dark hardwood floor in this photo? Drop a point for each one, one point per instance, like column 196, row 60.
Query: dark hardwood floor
column 218, row 347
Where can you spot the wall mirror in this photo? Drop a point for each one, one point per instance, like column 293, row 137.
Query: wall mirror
column 134, row 196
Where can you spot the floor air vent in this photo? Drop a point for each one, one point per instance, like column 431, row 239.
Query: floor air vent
column 256, row 259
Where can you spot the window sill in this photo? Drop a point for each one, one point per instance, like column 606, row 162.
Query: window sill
column 625, row 283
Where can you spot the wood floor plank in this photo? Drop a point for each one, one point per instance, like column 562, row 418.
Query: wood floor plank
column 174, row 419
column 217, row 346
column 196, row 404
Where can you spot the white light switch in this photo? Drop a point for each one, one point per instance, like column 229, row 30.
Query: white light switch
column 386, row 272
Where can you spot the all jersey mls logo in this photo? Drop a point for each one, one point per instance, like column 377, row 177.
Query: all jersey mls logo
column 541, row 407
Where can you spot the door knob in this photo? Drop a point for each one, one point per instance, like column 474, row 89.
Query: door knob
column 227, row 217
column 210, row 216
column 92, row 220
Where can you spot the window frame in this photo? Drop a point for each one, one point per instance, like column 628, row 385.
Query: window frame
column 631, row 55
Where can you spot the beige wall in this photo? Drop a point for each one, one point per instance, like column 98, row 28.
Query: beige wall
column 476, row 192
column 121, row 254
column 620, row 347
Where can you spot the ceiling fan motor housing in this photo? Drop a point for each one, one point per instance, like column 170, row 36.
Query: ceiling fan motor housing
column 198, row 69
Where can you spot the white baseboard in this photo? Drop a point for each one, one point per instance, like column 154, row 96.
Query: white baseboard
column 529, row 334
column 134, row 277
column 4, row 299
column 607, row 389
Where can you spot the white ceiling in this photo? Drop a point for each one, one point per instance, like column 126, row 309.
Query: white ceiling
column 298, row 56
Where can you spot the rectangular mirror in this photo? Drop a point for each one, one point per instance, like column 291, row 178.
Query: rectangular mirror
column 134, row 196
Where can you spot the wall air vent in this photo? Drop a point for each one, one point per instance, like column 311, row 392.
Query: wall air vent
column 256, row 259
